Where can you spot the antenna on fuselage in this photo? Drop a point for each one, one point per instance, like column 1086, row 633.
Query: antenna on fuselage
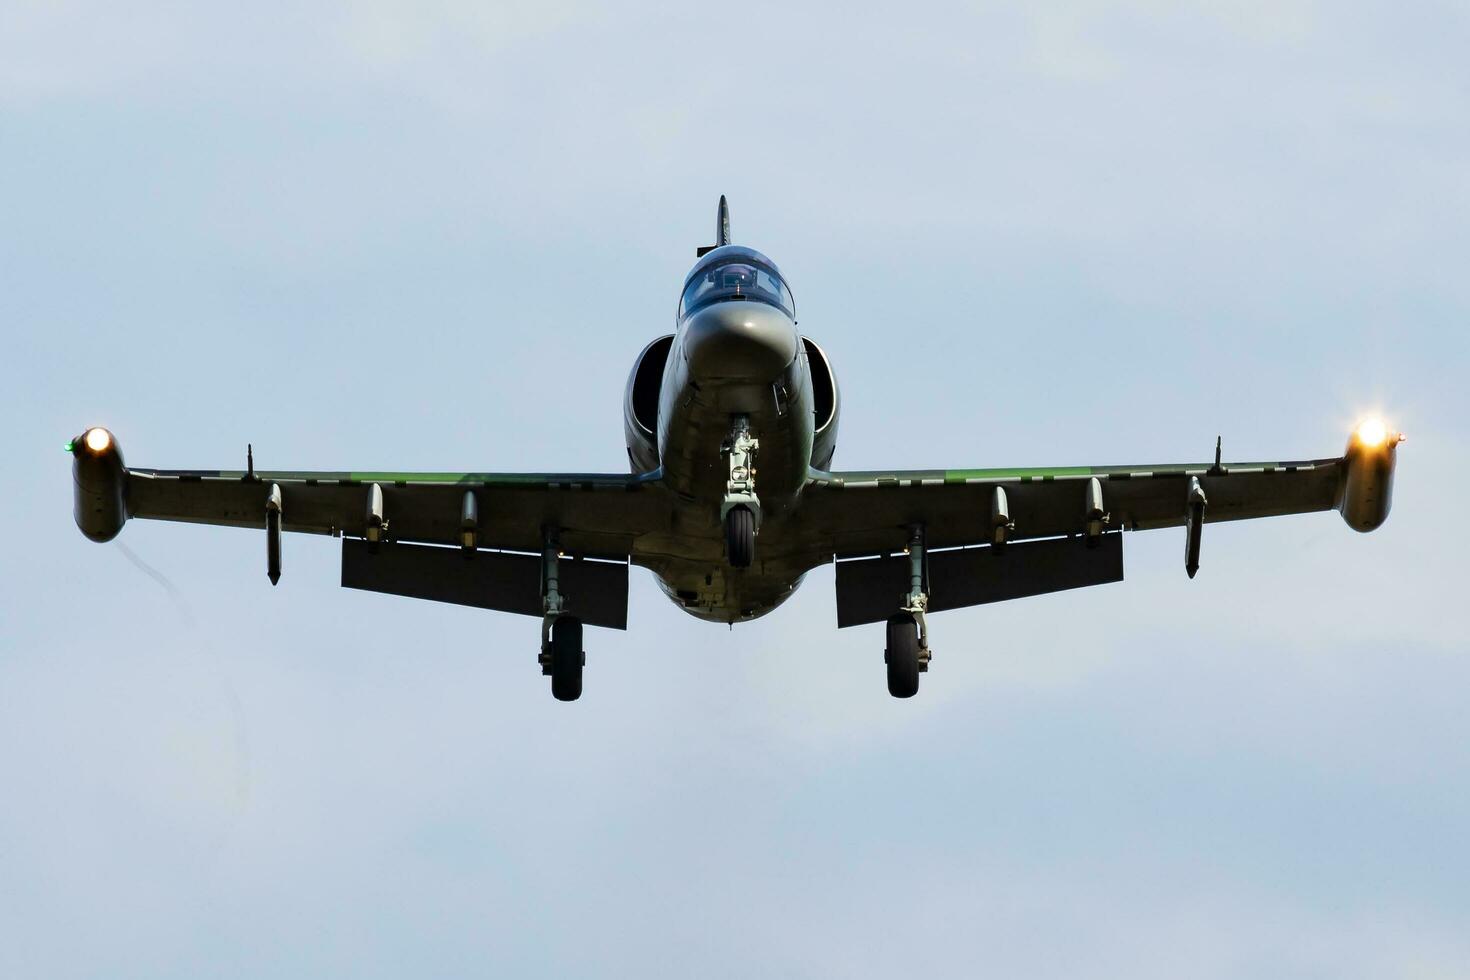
column 722, row 229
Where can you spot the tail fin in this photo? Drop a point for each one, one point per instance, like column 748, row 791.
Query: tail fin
column 722, row 224
column 722, row 229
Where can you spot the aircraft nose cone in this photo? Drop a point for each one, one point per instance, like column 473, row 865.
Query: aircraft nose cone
column 740, row 341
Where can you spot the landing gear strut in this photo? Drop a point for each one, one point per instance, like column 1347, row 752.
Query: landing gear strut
column 562, row 657
column 740, row 512
column 907, row 654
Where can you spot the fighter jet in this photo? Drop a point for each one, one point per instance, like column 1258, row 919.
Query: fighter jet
column 731, row 425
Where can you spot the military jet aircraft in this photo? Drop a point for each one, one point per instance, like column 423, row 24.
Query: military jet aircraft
column 730, row 425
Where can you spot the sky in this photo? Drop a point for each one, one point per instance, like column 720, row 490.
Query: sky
column 435, row 235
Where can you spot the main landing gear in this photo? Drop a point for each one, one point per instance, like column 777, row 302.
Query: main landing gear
column 562, row 657
column 902, row 656
column 740, row 511
column 907, row 653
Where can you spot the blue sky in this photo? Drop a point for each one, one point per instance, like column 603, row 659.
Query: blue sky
column 435, row 235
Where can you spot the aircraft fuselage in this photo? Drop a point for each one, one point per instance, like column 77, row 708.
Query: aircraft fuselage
column 732, row 362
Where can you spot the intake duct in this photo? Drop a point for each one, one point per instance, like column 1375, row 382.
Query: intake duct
column 826, row 402
column 640, row 404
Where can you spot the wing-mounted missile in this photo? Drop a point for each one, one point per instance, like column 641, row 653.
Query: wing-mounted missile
column 374, row 523
column 469, row 523
column 101, row 480
column 1367, row 486
column 1001, row 524
column 273, row 508
column 1096, row 518
column 1195, row 502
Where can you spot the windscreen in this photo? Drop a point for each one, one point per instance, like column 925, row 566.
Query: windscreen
column 740, row 278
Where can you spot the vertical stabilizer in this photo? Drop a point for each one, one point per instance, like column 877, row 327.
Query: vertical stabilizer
column 722, row 224
column 722, row 228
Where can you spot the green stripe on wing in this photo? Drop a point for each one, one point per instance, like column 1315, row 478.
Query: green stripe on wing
column 420, row 479
column 1023, row 473
column 1019, row 474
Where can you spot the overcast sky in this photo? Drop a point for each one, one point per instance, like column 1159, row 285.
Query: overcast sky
column 435, row 235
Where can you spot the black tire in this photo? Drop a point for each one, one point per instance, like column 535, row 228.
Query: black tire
column 740, row 537
column 566, row 658
column 902, row 656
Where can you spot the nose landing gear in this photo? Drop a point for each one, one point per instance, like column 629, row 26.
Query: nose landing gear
column 740, row 512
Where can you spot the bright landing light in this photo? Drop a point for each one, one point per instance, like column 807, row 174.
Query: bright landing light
column 97, row 440
column 1372, row 433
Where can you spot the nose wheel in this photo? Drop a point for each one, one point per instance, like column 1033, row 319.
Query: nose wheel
column 740, row 536
column 741, row 508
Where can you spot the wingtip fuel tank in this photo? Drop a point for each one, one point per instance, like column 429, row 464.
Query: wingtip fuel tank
column 1367, row 488
column 100, row 484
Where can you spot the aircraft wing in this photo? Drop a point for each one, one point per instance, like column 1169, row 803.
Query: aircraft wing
column 598, row 514
column 1041, row 530
column 397, row 525
column 868, row 512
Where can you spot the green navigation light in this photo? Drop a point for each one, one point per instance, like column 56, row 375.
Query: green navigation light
column 70, row 446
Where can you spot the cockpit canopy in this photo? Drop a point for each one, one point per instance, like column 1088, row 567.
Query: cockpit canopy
column 733, row 272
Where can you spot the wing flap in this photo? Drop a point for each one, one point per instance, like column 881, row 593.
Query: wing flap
column 869, row 590
column 595, row 591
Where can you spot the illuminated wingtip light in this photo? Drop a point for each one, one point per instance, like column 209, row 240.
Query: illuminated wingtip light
column 97, row 440
column 1372, row 433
